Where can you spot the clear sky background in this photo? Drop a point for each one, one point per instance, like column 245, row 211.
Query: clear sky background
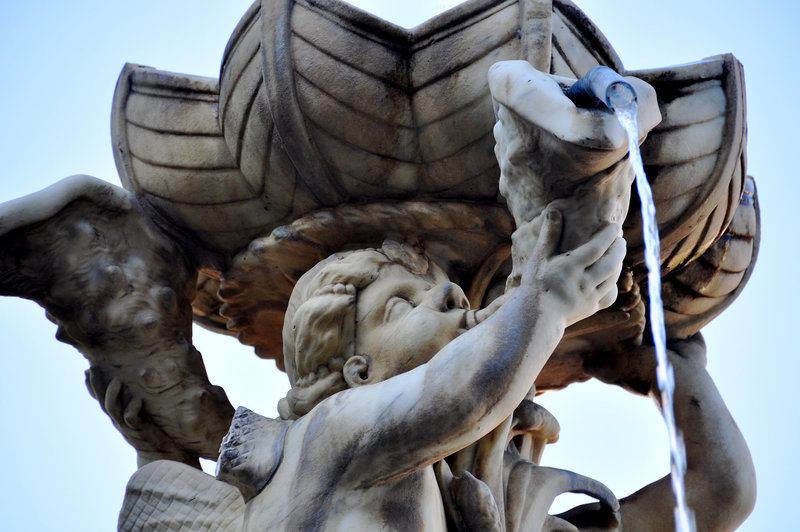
column 65, row 467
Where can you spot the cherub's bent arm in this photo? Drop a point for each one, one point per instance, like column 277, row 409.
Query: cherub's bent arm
column 720, row 478
column 477, row 380
column 120, row 291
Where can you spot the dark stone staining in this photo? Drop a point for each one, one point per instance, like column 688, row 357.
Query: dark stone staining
column 314, row 513
column 400, row 511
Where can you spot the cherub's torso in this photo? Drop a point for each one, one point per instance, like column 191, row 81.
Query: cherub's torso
column 313, row 494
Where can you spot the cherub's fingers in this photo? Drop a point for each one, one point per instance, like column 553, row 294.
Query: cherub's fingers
column 609, row 266
column 547, row 244
column 112, row 402
column 550, row 234
column 96, row 383
column 596, row 247
column 608, row 289
column 133, row 413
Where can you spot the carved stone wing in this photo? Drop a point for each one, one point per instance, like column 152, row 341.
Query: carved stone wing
column 165, row 496
column 121, row 293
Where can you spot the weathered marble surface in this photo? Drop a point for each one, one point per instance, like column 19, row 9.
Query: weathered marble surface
column 210, row 199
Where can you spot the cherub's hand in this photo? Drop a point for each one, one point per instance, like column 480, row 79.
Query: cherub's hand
column 579, row 282
column 130, row 417
column 635, row 368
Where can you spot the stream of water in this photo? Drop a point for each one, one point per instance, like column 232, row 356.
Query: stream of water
column 684, row 518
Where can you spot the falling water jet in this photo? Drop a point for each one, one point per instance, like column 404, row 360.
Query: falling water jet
column 602, row 86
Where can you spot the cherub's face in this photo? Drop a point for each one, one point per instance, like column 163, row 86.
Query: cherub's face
column 403, row 319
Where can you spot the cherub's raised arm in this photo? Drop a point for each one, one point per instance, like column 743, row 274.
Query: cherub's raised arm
column 720, row 479
column 120, row 291
column 477, row 380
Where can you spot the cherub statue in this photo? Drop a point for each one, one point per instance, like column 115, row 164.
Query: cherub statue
column 407, row 410
column 389, row 379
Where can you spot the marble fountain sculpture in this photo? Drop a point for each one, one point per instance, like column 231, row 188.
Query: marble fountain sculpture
column 424, row 233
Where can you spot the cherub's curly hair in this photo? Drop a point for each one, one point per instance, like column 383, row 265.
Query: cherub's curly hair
column 319, row 326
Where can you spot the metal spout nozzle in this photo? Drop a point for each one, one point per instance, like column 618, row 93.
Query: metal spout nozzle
column 602, row 85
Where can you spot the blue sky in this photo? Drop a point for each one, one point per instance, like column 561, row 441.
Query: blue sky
column 65, row 467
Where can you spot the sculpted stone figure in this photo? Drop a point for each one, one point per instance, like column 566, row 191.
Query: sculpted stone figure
column 387, row 380
column 366, row 251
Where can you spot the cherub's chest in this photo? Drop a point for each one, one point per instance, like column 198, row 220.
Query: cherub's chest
column 310, row 500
